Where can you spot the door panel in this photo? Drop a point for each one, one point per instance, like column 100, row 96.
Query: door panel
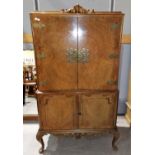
column 98, row 111
column 52, row 36
column 57, row 112
column 100, row 35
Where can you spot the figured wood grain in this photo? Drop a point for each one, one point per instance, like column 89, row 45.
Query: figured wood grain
column 98, row 111
column 126, row 38
column 52, row 37
column 57, row 111
column 101, row 36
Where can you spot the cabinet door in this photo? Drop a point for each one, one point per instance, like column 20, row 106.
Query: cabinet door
column 98, row 111
column 56, row 112
column 99, row 39
column 53, row 35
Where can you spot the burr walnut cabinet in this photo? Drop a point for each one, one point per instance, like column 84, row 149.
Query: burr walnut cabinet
column 77, row 60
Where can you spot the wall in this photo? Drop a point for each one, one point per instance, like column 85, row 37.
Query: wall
column 98, row 5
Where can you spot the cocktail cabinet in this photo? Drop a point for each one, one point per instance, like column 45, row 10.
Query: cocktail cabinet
column 77, row 60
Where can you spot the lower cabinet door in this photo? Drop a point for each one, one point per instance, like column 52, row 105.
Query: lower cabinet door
column 98, row 111
column 56, row 112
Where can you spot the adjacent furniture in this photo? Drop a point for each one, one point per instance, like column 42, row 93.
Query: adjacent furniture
column 77, row 62
column 128, row 103
column 29, row 81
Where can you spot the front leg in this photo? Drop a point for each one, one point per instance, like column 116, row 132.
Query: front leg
column 116, row 136
column 77, row 135
column 39, row 136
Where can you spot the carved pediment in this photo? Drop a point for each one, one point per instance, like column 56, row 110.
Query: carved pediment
column 78, row 9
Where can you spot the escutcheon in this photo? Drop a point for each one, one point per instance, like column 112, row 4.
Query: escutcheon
column 74, row 55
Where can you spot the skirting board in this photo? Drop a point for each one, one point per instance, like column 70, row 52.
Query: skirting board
column 30, row 117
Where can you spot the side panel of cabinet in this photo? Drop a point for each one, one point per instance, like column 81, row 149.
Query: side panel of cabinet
column 57, row 112
column 98, row 111
column 100, row 35
column 52, row 36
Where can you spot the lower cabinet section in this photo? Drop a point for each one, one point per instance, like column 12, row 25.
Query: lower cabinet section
column 77, row 110
column 77, row 113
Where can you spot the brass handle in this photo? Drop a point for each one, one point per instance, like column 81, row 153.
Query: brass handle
column 74, row 55
column 71, row 55
column 83, row 55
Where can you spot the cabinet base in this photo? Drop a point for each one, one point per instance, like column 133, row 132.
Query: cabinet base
column 78, row 134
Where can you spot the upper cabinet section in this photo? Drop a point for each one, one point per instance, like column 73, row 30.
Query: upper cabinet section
column 77, row 47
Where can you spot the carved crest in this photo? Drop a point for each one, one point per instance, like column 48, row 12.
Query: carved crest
column 78, row 9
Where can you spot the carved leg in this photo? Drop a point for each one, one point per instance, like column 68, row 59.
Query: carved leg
column 40, row 139
column 116, row 136
column 78, row 136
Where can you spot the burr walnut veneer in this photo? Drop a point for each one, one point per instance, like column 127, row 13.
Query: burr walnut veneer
column 77, row 59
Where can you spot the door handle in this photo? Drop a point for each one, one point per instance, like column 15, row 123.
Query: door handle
column 74, row 55
column 83, row 55
column 71, row 55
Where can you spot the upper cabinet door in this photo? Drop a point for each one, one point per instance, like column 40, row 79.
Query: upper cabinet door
column 55, row 44
column 99, row 39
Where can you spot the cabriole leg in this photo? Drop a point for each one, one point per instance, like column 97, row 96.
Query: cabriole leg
column 78, row 136
column 116, row 136
column 40, row 140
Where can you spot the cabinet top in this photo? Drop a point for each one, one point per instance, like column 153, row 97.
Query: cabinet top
column 77, row 9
